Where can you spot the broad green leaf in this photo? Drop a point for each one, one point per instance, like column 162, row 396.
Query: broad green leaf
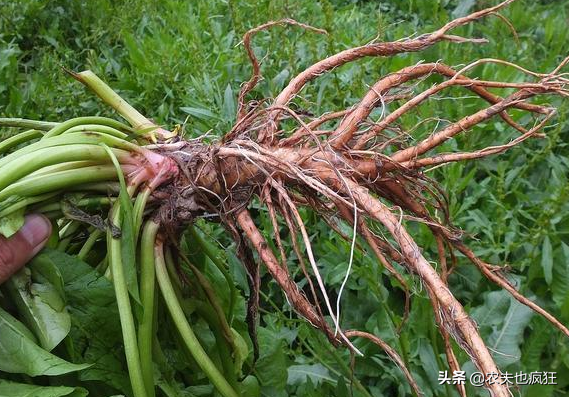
column 250, row 387
column 21, row 355
column 317, row 373
column 502, row 321
column 13, row 389
column 429, row 362
column 44, row 270
column 19, row 327
column 491, row 313
column 547, row 260
column 95, row 326
column 510, row 337
column 271, row 368
column 41, row 306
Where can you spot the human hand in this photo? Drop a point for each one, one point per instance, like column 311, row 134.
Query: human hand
column 17, row 250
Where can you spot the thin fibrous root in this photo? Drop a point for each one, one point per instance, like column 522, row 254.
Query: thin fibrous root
column 393, row 355
column 376, row 49
column 498, row 279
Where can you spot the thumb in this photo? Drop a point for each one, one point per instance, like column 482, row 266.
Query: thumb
column 17, row 250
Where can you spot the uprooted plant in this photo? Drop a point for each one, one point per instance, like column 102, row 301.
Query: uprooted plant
column 342, row 165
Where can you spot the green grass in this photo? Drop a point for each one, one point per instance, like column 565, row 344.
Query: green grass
column 181, row 63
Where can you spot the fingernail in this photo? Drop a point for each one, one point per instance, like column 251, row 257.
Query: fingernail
column 36, row 229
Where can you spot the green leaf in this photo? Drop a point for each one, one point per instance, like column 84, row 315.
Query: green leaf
column 547, row 260
column 95, row 327
column 463, row 8
column 250, row 387
column 10, row 224
column 21, row 355
column 41, row 306
column 279, row 80
column 128, row 246
column 241, row 350
column 136, row 54
column 128, row 252
column 200, row 113
column 317, row 373
column 342, row 388
column 229, row 107
column 429, row 362
column 271, row 368
column 502, row 321
column 560, row 282
column 533, row 348
column 45, row 271
column 12, row 389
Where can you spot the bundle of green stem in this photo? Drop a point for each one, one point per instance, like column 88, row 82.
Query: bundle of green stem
column 64, row 170
column 154, row 185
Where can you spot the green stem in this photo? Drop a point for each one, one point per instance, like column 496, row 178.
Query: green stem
column 215, row 317
column 103, row 268
column 40, row 184
column 347, row 371
column 114, row 100
column 71, row 165
column 63, row 127
column 29, row 124
column 210, row 251
column 111, row 188
column 185, row 329
column 89, row 243
column 103, row 129
column 213, row 300
column 24, row 202
column 53, row 216
column 138, row 209
column 125, row 311
column 29, row 163
column 89, row 202
column 175, row 279
column 76, row 138
column 168, row 390
column 320, row 359
column 66, row 234
column 147, row 288
column 18, row 139
column 222, row 348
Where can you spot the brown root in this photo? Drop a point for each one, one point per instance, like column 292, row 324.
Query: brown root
column 360, row 175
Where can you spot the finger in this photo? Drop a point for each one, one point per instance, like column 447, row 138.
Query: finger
column 17, row 250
